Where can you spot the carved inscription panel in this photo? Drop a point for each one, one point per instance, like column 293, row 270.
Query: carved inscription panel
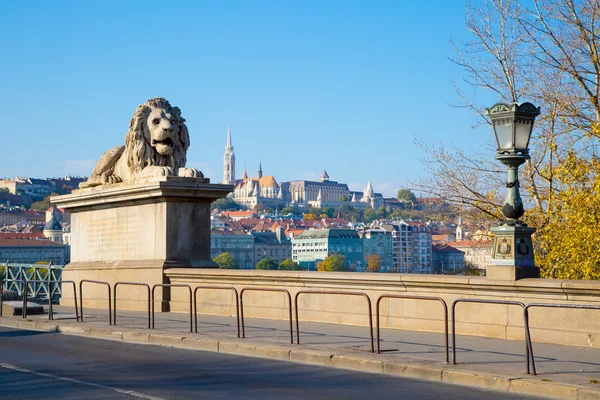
column 125, row 233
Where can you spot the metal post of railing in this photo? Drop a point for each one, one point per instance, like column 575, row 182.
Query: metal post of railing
column 528, row 348
column 49, row 276
column 115, row 298
column 2, row 287
column 548, row 305
column 24, row 306
column 263, row 289
column 237, row 304
column 173, row 285
column 1, row 295
column 81, row 282
column 26, row 292
column 335, row 292
column 408, row 297
column 50, row 306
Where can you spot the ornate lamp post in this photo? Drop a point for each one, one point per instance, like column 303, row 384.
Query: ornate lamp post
column 512, row 254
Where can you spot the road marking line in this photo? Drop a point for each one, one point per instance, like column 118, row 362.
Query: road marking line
column 73, row 380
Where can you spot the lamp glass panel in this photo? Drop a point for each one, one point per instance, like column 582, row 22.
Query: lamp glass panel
column 504, row 134
column 522, row 133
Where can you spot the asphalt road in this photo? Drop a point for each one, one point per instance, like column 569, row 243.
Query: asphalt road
column 37, row 365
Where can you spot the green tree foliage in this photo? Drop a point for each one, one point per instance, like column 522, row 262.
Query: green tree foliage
column 330, row 212
column 381, row 212
column 407, row 198
column 266, row 263
column 349, row 213
column 42, row 205
column 289, row 265
column 344, row 198
column 373, row 262
column 369, row 215
column 288, row 210
column 261, row 208
column 4, row 190
column 225, row 261
column 333, row 263
column 225, row 204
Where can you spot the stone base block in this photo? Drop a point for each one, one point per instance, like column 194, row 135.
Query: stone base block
column 510, row 273
column 13, row 308
column 128, row 297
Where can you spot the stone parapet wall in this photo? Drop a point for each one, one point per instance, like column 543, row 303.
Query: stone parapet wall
column 562, row 326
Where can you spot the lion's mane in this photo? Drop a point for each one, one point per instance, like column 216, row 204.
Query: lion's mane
column 138, row 151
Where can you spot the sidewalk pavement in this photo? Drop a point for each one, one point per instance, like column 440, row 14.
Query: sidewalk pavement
column 564, row 372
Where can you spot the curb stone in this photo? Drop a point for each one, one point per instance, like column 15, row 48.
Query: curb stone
column 525, row 386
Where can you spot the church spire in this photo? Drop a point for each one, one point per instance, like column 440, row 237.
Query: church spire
column 229, row 161
column 259, row 170
column 369, row 189
column 228, row 146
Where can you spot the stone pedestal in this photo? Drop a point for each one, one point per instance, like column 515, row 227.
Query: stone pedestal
column 512, row 253
column 132, row 232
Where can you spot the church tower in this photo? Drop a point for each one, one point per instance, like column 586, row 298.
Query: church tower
column 459, row 229
column 229, row 161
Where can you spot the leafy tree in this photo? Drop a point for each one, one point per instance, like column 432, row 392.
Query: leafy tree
column 266, row 263
column 334, row 262
column 225, row 261
column 315, row 211
column 373, row 261
column 310, row 217
column 407, row 197
column 289, row 265
column 569, row 236
column 42, row 205
column 381, row 212
column 344, row 198
column 261, row 208
column 329, row 212
column 369, row 215
column 543, row 51
column 226, row 204
column 287, row 210
column 4, row 190
column 349, row 213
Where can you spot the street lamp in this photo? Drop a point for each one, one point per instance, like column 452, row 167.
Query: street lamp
column 512, row 125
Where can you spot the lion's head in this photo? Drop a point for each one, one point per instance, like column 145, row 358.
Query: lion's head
column 157, row 136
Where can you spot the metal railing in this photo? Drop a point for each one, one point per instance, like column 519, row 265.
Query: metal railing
column 81, row 282
column 548, row 305
column 50, row 305
column 263, row 289
column 15, row 273
column 170, row 285
column 237, row 304
column 408, row 297
column 528, row 348
column 335, row 292
column 115, row 298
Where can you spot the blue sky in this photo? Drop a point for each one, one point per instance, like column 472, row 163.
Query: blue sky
column 305, row 85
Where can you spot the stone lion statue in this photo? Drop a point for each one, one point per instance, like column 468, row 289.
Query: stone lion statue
column 155, row 145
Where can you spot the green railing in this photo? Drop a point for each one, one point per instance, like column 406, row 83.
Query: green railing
column 12, row 276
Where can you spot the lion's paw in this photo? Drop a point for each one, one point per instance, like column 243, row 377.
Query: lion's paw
column 154, row 170
column 189, row 173
column 110, row 179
